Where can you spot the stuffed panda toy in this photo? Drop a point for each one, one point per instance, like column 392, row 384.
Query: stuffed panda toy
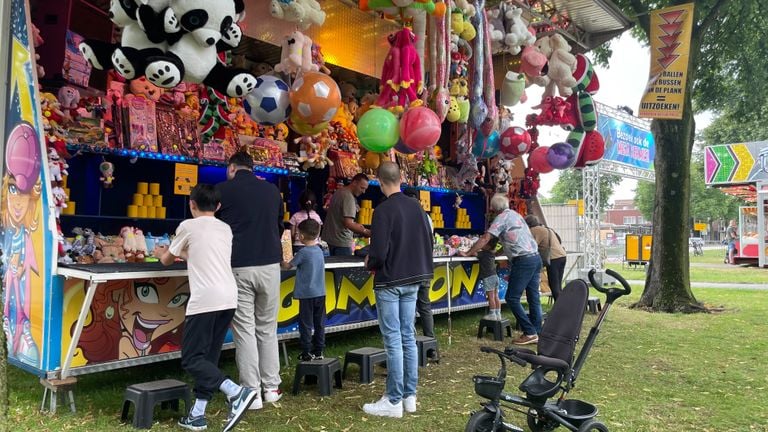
column 199, row 25
column 129, row 56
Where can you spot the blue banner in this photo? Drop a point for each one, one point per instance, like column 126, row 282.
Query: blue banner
column 626, row 143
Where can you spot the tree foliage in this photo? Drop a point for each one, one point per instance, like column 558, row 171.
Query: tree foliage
column 569, row 187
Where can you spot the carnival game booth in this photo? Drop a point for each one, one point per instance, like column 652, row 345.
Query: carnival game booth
column 101, row 149
column 742, row 170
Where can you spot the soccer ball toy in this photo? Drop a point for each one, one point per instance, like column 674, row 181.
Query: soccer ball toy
column 269, row 102
column 315, row 97
column 515, row 141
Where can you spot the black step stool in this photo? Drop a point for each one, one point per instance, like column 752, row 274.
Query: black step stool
column 365, row 358
column 593, row 305
column 146, row 395
column 318, row 372
column 427, row 347
column 495, row 326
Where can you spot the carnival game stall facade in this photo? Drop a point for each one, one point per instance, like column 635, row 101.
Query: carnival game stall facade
column 100, row 156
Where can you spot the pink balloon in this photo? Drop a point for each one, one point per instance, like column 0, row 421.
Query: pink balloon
column 515, row 141
column 537, row 160
column 419, row 128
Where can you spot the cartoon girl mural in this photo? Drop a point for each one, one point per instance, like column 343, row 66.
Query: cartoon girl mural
column 135, row 318
column 19, row 216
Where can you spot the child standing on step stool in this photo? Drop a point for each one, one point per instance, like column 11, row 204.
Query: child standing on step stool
column 309, row 290
column 487, row 258
column 206, row 243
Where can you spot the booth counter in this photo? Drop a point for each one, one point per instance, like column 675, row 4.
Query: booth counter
column 112, row 316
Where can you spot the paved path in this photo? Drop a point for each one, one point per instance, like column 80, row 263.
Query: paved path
column 715, row 285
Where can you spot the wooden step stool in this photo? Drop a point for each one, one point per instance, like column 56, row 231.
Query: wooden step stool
column 52, row 387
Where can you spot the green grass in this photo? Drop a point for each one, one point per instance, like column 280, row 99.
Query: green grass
column 647, row 372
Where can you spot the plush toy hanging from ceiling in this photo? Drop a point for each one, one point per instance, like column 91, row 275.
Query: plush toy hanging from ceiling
column 490, row 123
column 479, row 110
column 440, row 56
column 296, row 54
column 401, row 77
column 302, row 12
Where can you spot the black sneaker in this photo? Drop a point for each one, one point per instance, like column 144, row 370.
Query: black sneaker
column 306, row 357
column 193, row 423
column 318, row 355
column 238, row 406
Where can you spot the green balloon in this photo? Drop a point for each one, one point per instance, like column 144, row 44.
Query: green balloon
column 378, row 130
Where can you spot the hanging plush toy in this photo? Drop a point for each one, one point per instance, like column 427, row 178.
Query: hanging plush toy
column 561, row 66
column 107, row 170
column 296, row 54
column 302, row 12
column 479, row 110
column 516, row 29
column 401, row 77
column 57, row 165
column 197, row 27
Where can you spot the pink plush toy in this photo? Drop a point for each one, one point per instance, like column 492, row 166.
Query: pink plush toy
column 533, row 60
column 401, row 77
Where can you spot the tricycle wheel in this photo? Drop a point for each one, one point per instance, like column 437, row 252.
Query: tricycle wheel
column 481, row 421
column 537, row 424
column 592, row 425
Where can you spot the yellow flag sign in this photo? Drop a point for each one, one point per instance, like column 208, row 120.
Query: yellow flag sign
column 664, row 96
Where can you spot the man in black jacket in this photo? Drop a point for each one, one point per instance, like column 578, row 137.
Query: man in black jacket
column 400, row 257
column 253, row 209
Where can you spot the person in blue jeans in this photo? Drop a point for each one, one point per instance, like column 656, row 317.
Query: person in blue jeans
column 400, row 257
column 525, row 266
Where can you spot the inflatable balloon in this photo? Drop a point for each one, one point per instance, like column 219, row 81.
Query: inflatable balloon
column 377, row 130
column 515, row 141
column 269, row 102
column 537, row 160
column 315, row 97
column 561, row 156
column 486, row 147
column 303, row 128
column 419, row 128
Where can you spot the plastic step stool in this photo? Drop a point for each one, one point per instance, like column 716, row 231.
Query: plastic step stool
column 320, row 372
column 366, row 358
column 496, row 327
column 146, row 395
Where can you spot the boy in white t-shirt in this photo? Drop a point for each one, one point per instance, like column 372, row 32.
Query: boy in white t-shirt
column 206, row 243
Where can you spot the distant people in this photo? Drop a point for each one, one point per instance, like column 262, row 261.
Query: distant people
column 546, row 237
column 525, row 265
column 423, row 303
column 206, row 243
column 731, row 235
column 253, row 209
column 308, row 202
column 309, row 290
column 400, row 257
column 340, row 222
column 487, row 259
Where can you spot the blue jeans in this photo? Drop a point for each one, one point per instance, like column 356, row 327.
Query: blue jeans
column 340, row 250
column 524, row 275
column 396, row 308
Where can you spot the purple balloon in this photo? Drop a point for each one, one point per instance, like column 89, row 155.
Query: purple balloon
column 404, row 149
column 561, row 156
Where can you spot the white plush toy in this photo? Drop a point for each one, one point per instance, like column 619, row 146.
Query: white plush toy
column 496, row 28
column 303, row 12
column 466, row 7
column 296, row 54
column 561, row 64
column 199, row 26
column 517, row 34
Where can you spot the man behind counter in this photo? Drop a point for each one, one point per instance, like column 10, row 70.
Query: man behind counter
column 340, row 224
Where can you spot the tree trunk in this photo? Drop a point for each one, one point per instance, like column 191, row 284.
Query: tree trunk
column 667, row 284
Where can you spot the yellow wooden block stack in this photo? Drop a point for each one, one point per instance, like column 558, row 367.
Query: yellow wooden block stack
column 437, row 217
column 462, row 219
column 286, row 215
column 70, row 209
column 147, row 202
column 365, row 216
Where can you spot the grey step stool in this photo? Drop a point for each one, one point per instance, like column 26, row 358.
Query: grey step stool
column 593, row 304
column 427, row 346
column 318, row 372
column 366, row 358
column 146, row 395
column 496, row 327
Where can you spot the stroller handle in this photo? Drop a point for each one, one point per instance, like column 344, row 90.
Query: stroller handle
column 615, row 292
column 508, row 356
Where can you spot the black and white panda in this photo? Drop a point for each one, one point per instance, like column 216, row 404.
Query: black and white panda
column 198, row 27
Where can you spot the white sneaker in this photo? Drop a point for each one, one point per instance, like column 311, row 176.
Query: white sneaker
column 409, row 404
column 257, row 404
column 272, row 396
column 384, row 408
column 490, row 317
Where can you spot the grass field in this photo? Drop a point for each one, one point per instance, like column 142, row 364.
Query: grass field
column 647, row 372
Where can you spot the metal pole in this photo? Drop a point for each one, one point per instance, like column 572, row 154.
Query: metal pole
column 450, row 286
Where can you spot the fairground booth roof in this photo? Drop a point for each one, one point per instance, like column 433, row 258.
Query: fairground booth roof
column 737, row 169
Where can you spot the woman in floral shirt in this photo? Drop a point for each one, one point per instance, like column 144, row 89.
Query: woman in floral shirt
column 525, row 266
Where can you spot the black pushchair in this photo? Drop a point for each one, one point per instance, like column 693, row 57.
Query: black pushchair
column 555, row 370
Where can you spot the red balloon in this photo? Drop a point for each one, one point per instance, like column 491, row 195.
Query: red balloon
column 515, row 141
column 537, row 160
column 419, row 128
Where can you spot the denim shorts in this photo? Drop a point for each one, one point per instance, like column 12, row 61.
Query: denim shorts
column 491, row 283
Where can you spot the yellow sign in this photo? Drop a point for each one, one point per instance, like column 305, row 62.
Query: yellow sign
column 426, row 202
column 184, row 179
column 579, row 203
column 699, row 227
column 670, row 38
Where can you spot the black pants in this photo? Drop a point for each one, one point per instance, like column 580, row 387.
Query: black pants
column 200, row 349
column 312, row 316
column 424, row 308
column 555, row 276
